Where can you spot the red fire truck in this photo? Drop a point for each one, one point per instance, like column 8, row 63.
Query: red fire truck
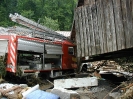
column 40, row 51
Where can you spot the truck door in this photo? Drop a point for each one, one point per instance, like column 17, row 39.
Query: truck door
column 3, row 50
column 3, row 47
column 71, row 57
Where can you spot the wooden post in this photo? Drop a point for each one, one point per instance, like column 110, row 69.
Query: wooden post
column 78, row 63
column 86, row 2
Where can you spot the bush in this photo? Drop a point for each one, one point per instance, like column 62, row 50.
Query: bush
column 2, row 68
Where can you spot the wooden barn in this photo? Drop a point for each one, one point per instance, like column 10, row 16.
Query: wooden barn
column 103, row 26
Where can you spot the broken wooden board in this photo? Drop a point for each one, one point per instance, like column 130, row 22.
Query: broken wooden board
column 75, row 82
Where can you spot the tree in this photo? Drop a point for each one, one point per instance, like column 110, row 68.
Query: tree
column 65, row 13
column 59, row 10
column 50, row 23
column 27, row 13
column 27, row 8
column 6, row 7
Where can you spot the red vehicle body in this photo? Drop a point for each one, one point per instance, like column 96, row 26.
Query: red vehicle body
column 30, row 55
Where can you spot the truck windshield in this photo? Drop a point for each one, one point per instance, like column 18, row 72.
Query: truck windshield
column 71, row 50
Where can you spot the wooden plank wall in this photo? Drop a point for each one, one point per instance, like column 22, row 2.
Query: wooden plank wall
column 104, row 26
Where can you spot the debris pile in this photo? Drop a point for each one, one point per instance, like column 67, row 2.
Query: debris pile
column 118, row 64
column 12, row 91
column 102, row 90
column 112, row 67
column 127, row 90
column 22, row 91
column 77, row 88
column 107, row 65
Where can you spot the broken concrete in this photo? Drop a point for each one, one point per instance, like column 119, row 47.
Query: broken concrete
column 75, row 82
column 65, row 94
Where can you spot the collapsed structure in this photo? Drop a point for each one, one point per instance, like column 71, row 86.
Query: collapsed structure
column 103, row 28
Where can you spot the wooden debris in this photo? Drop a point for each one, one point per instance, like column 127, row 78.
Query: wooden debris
column 128, row 94
column 12, row 91
column 96, row 74
column 127, row 87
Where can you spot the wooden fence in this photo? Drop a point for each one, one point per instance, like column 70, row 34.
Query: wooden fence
column 104, row 26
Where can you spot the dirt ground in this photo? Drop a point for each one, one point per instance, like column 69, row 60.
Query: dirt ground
column 100, row 91
column 97, row 92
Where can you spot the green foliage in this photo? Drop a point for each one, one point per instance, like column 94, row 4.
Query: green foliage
column 49, row 22
column 6, row 7
column 27, row 13
column 57, row 11
column 62, row 10
column 2, row 68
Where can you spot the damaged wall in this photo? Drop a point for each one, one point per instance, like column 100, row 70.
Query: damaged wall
column 103, row 26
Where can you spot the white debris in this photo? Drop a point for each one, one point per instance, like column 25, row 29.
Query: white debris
column 75, row 82
column 30, row 90
column 6, row 86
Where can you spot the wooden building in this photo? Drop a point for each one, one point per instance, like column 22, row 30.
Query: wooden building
column 102, row 26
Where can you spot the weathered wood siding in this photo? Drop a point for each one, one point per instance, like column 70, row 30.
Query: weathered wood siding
column 104, row 26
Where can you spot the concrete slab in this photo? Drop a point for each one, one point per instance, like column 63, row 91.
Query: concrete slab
column 75, row 82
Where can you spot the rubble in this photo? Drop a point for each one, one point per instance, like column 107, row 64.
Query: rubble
column 11, row 91
column 65, row 94
column 22, row 91
column 128, row 94
column 104, row 90
column 112, row 67
column 94, row 87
